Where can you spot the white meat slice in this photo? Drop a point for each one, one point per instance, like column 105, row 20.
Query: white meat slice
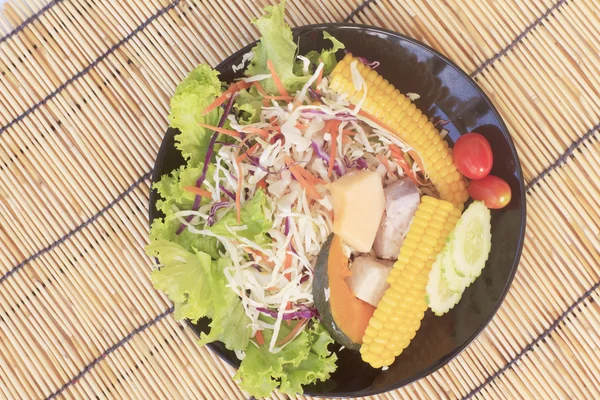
column 401, row 202
column 368, row 281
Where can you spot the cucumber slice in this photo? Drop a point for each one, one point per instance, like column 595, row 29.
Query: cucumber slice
column 471, row 241
column 456, row 280
column 462, row 260
column 439, row 297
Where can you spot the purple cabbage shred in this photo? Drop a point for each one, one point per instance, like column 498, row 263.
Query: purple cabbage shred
column 337, row 167
column 210, row 221
column 359, row 163
column 209, row 153
column 370, row 64
column 314, row 94
column 302, row 312
column 227, row 192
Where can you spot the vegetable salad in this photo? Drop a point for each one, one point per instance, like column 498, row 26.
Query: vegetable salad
column 247, row 216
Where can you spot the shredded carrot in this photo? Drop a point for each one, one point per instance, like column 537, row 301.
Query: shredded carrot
column 346, row 139
column 220, row 130
column 296, row 170
column 405, row 167
column 263, row 133
column 233, row 88
column 385, row 162
column 272, row 120
column 264, row 258
column 288, row 306
column 278, row 84
column 288, row 275
column 349, row 132
column 198, row 191
column 260, row 339
column 260, row 89
column 398, row 155
column 249, row 152
column 310, row 178
column 396, row 150
column 332, row 127
column 262, row 184
column 293, row 332
column 417, row 159
column 301, row 126
column 238, row 194
column 248, row 137
column 243, row 85
column 218, row 101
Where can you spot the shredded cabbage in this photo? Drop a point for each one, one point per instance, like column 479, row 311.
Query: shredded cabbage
column 267, row 211
column 268, row 275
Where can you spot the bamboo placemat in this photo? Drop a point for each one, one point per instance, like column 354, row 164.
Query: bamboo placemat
column 84, row 97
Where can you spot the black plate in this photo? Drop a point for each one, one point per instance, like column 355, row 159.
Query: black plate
column 446, row 92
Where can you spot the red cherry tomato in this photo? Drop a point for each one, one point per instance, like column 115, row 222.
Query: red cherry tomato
column 493, row 191
column 473, row 155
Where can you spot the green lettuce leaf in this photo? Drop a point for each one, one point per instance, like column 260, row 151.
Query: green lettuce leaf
column 170, row 188
column 252, row 215
column 247, row 106
column 276, row 44
column 230, row 324
column 302, row 362
column 166, row 230
column 191, row 97
column 318, row 365
column 198, row 287
column 327, row 56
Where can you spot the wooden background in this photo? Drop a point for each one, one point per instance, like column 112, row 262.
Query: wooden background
column 84, row 91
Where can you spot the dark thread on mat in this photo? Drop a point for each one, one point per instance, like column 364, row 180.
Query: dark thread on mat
column 564, row 157
column 358, row 10
column 111, row 349
column 29, row 20
column 516, row 40
column 561, row 160
column 529, row 347
column 496, row 56
column 77, row 229
column 84, row 71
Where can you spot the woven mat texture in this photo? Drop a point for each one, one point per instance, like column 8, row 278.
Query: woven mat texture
column 84, row 92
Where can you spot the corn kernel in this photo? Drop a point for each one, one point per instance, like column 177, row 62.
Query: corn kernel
column 399, row 313
column 387, row 104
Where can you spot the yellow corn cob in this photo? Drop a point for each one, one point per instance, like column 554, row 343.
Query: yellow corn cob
column 385, row 103
column 399, row 313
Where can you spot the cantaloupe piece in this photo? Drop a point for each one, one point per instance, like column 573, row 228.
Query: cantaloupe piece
column 358, row 205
